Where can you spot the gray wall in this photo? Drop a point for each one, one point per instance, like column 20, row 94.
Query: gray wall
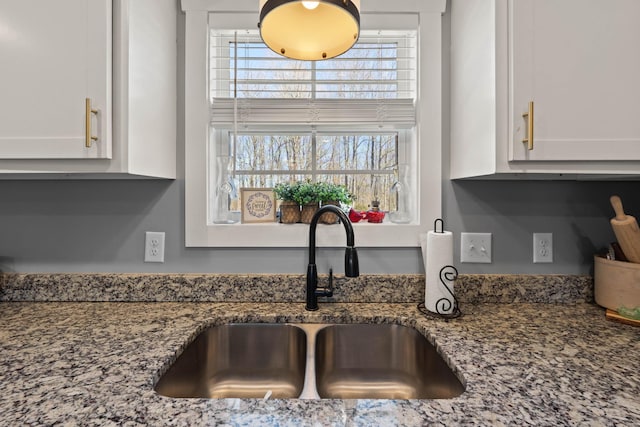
column 98, row 226
column 81, row 226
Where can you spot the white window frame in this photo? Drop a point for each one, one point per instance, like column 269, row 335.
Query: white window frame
column 428, row 133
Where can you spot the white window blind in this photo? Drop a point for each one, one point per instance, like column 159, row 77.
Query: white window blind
column 373, row 84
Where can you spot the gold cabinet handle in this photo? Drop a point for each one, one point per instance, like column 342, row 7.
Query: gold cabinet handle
column 88, row 111
column 529, row 116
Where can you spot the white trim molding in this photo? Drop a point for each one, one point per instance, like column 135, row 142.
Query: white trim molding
column 366, row 6
column 428, row 134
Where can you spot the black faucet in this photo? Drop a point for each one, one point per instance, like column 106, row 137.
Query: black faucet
column 351, row 268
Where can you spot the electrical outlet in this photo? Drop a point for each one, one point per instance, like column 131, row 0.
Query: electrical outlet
column 475, row 247
column 542, row 247
column 154, row 246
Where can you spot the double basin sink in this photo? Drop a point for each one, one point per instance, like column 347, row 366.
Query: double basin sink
column 310, row 361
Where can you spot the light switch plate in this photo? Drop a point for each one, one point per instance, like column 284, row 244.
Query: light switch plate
column 475, row 247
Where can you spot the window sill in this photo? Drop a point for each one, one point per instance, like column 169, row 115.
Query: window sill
column 297, row 235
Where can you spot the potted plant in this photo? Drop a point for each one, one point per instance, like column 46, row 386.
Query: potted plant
column 289, row 206
column 332, row 194
column 306, row 194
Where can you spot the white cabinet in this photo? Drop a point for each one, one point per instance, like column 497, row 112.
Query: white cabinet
column 54, row 56
column 136, row 113
column 145, row 85
column 576, row 61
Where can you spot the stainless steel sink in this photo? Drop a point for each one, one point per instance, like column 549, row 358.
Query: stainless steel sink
column 310, row 361
column 366, row 361
column 240, row 360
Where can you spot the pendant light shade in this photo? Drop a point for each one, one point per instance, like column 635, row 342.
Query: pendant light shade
column 309, row 30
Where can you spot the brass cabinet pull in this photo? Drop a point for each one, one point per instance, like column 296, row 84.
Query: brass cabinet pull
column 529, row 116
column 88, row 111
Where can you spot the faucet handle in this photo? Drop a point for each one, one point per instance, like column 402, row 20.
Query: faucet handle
column 329, row 290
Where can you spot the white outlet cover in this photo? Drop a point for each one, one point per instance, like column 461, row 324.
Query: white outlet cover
column 542, row 247
column 154, row 246
column 475, row 247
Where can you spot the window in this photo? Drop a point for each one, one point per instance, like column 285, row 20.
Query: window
column 365, row 163
column 350, row 120
column 380, row 67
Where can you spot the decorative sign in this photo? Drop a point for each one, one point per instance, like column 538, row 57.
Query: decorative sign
column 258, row 205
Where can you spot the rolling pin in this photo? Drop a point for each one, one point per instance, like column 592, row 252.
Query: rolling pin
column 626, row 230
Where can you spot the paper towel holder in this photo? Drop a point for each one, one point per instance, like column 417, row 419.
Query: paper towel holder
column 448, row 273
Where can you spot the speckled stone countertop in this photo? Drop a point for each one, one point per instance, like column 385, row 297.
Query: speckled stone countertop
column 95, row 363
column 87, row 349
column 386, row 288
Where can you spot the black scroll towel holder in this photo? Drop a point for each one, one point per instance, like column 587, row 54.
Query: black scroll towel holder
column 448, row 273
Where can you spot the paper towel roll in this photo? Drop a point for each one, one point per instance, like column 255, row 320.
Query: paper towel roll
column 437, row 252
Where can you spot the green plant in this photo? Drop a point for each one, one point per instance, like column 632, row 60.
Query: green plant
column 328, row 192
column 306, row 192
column 286, row 191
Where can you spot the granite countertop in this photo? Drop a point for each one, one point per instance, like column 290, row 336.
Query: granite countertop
column 95, row 363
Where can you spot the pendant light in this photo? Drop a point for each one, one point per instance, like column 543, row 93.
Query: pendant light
column 309, row 30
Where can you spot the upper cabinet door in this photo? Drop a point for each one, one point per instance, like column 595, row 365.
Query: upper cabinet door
column 578, row 61
column 55, row 55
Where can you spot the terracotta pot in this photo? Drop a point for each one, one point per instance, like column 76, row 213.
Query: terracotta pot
column 289, row 212
column 308, row 211
column 329, row 217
